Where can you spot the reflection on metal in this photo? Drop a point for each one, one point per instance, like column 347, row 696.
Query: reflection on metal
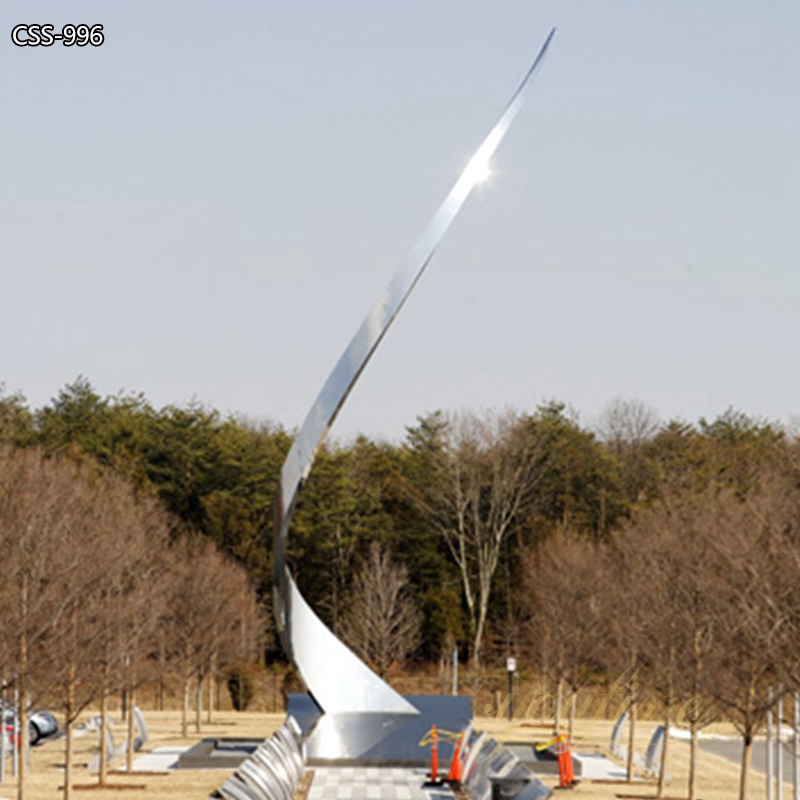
column 338, row 680
column 334, row 675
column 616, row 746
column 273, row 771
column 379, row 739
column 652, row 759
column 493, row 771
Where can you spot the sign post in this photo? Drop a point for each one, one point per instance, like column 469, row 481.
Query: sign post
column 511, row 666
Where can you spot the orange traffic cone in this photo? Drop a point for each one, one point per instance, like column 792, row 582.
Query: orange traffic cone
column 434, row 755
column 455, row 774
column 568, row 759
column 566, row 775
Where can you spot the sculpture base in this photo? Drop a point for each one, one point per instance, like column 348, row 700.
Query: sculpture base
column 370, row 739
column 218, row 753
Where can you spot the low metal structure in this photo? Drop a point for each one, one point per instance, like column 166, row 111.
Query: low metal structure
column 273, row 771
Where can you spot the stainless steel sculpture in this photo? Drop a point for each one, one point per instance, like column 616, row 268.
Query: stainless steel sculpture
column 336, row 678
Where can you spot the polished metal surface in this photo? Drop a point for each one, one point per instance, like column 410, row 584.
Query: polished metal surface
column 273, row 771
column 368, row 739
column 492, row 770
column 236, row 789
column 334, row 675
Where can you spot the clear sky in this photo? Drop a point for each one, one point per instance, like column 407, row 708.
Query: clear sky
column 207, row 205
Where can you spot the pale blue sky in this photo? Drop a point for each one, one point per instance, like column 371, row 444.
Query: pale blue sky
column 207, row 204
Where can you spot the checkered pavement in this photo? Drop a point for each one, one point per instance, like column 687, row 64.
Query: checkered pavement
column 373, row 783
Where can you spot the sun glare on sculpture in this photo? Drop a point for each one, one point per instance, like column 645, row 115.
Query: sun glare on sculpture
column 483, row 173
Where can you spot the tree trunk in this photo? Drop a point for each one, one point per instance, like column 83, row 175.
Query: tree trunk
column 662, row 772
column 22, row 710
column 571, row 730
column 693, row 760
column 198, row 701
column 161, row 667
column 697, row 676
column 185, row 711
column 747, row 753
column 3, row 750
column 559, row 703
column 499, row 706
column 631, row 733
column 212, row 674
column 545, row 673
column 22, row 739
column 131, row 717
column 68, row 722
column 477, row 642
column 102, row 772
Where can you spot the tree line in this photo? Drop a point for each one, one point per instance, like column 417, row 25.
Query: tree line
column 102, row 590
column 668, row 547
column 456, row 504
column 693, row 604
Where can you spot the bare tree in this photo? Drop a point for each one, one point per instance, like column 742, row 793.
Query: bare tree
column 675, row 544
column 383, row 624
column 623, row 587
column 83, row 561
column 628, row 422
column 38, row 510
column 212, row 611
column 139, row 592
column 562, row 582
column 756, row 588
column 628, row 428
column 721, row 602
column 481, row 482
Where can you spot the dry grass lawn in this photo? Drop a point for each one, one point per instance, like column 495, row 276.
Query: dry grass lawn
column 718, row 778
column 47, row 761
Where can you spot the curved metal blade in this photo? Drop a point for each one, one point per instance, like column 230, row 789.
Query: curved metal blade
column 334, row 675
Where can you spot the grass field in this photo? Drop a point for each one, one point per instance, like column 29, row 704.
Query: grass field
column 718, row 778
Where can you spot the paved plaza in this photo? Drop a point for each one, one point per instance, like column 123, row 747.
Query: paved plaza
column 374, row 783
